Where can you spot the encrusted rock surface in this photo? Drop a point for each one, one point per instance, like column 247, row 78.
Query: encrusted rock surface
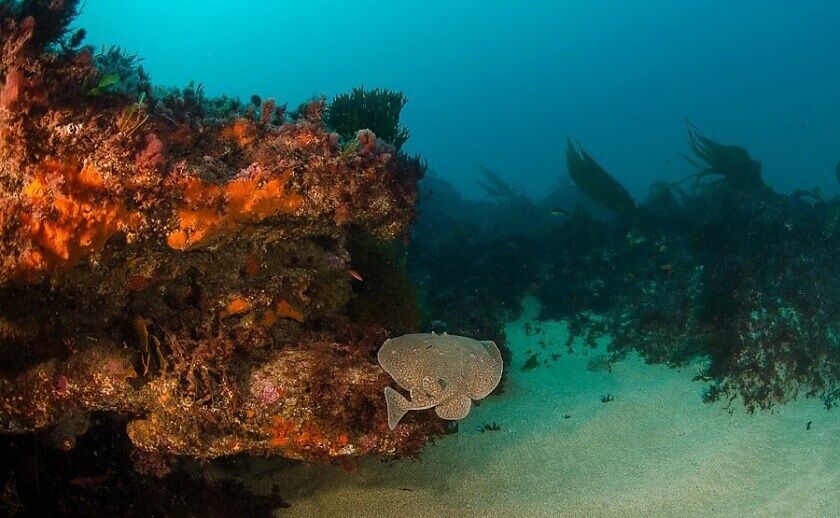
column 188, row 273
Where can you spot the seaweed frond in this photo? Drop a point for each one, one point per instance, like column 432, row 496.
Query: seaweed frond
column 52, row 18
column 500, row 190
column 120, row 72
column 596, row 183
column 732, row 162
column 377, row 110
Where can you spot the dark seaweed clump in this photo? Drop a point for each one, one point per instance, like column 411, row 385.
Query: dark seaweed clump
column 719, row 270
column 377, row 110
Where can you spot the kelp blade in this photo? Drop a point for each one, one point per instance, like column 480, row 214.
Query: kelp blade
column 596, row 183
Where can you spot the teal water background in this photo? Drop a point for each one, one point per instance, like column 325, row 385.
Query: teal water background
column 501, row 83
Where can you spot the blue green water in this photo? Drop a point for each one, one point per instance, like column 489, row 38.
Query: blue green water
column 500, row 83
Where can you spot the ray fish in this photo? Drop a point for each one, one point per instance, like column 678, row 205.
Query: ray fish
column 446, row 372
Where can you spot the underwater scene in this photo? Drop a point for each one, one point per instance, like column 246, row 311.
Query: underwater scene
column 549, row 258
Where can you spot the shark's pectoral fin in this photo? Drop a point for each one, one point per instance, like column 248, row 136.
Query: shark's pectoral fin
column 456, row 408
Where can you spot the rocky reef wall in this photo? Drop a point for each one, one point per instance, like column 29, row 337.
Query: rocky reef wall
column 182, row 263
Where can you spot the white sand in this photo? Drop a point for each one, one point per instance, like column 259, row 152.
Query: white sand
column 655, row 450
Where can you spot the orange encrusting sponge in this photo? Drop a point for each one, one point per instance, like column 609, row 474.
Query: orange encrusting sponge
column 282, row 309
column 69, row 216
column 222, row 208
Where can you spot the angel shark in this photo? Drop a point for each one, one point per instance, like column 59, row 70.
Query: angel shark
column 446, row 372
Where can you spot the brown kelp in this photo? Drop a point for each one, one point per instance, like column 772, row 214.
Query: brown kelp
column 733, row 163
column 596, row 183
column 500, row 191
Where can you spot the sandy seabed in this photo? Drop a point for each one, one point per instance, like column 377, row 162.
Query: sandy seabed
column 655, row 450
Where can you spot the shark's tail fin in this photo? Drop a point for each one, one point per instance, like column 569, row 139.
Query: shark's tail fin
column 397, row 405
